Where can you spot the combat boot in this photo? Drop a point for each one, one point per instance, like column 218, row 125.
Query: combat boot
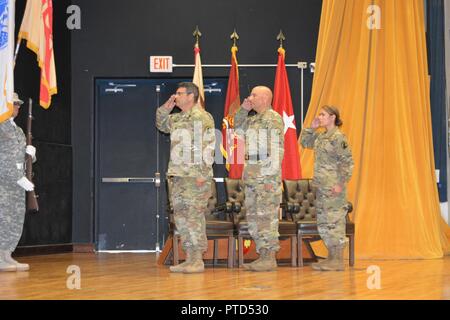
column 250, row 266
column 196, row 265
column 331, row 255
column 4, row 265
column 336, row 264
column 267, row 262
column 181, row 267
column 8, row 259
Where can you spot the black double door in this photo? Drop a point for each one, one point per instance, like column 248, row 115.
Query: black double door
column 131, row 159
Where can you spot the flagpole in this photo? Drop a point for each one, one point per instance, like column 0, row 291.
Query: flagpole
column 198, row 74
column 157, row 174
column 19, row 41
column 301, row 100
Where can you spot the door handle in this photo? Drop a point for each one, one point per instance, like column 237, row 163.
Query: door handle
column 156, row 180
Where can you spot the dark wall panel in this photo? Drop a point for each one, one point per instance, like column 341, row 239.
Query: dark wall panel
column 53, row 223
column 51, row 131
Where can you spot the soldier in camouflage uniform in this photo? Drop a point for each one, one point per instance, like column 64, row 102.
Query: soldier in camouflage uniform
column 190, row 168
column 264, row 136
column 332, row 170
column 12, row 185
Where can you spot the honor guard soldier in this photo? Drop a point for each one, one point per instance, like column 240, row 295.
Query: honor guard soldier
column 13, row 184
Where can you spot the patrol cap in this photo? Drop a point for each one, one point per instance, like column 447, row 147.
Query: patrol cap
column 16, row 99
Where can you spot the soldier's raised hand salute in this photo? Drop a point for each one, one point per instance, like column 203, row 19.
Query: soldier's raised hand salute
column 315, row 123
column 170, row 103
column 247, row 104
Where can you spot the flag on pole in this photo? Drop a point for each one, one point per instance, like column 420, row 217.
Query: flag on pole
column 282, row 103
column 232, row 146
column 37, row 30
column 198, row 75
column 7, row 18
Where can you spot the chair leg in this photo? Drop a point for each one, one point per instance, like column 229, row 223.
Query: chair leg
column 230, row 252
column 351, row 250
column 294, row 251
column 175, row 249
column 241, row 251
column 216, row 251
column 300, row 250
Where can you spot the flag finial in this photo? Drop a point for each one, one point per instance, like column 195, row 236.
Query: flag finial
column 234, row 36
column 197, row 34
column 281, row 38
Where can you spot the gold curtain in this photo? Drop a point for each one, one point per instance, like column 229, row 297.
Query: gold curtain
column 379, row 80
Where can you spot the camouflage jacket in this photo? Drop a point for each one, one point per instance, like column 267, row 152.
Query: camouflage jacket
column 12, row 151
column 333, row 158
column 264, row 143
column 192, row 141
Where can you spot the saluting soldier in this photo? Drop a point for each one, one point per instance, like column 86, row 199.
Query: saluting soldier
column 333, row 168
column 264, row 136
column 190, row 169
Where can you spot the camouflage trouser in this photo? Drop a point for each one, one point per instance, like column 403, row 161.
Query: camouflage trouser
column 331, row 213
column 12, row 215
column 190, row 204
column 262, row 213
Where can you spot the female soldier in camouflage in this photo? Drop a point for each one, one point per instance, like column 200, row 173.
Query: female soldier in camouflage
column 333, row 167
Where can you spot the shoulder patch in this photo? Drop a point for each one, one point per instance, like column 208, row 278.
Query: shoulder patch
column 344, row 145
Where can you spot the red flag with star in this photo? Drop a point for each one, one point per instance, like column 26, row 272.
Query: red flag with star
column 282, row 103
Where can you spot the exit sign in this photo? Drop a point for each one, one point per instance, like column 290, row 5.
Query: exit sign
column 161, row 64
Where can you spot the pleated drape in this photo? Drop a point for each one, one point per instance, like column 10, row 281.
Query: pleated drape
column 379, row 80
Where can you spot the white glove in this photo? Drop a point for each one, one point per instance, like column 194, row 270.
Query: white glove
column 31, row 151
column 26, row 184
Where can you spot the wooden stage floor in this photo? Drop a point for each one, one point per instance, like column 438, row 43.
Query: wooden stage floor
column 137, row 276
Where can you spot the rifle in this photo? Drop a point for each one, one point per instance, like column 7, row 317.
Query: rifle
column 32, row 204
